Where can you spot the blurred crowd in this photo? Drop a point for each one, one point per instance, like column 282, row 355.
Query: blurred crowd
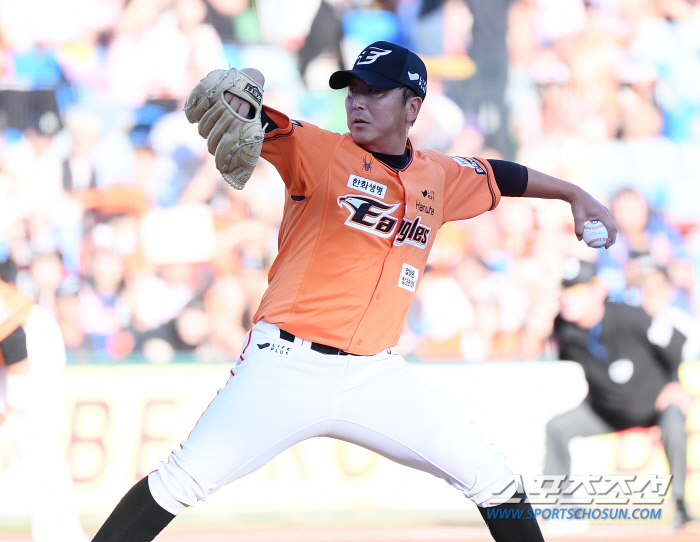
column 114, row 218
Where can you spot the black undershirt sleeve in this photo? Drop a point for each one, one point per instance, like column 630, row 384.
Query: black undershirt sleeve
column 511, row 178
column 14, row 346
column 264, row 119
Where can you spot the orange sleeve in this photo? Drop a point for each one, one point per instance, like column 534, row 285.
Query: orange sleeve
column 470, row 186
column 301, row 152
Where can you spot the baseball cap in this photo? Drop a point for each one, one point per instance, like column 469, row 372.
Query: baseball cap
column 577, row 272
column 385, row 65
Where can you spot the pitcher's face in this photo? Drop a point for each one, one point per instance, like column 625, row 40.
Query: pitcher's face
column 377, row 118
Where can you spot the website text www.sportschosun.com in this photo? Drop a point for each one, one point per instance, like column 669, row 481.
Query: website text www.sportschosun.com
column 641, row 513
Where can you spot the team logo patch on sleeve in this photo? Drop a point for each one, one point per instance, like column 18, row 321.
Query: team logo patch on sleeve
column 469, row 162
column 408, row 280
column 368, row 187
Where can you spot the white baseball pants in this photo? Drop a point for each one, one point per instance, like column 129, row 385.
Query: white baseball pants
column 281, row 393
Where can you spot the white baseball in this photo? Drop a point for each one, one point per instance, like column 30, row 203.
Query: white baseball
column 595, row 234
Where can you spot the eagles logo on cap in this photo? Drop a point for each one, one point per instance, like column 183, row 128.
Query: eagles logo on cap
column 383, row 64
column 371, row 54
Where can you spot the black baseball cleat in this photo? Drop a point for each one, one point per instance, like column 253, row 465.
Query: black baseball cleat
column 682, row 520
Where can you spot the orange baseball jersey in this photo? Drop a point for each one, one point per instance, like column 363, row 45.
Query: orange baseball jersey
column 355, row 233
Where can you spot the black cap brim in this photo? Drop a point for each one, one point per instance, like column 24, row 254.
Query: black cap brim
column 578, row 272
column 340, row 79
column 575, row 282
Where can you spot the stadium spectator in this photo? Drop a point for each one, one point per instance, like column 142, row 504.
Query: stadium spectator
column 641, row 233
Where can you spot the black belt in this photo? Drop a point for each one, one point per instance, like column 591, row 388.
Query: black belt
column 316, row 347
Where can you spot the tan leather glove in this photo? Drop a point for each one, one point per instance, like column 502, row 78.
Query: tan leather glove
column 234, row 141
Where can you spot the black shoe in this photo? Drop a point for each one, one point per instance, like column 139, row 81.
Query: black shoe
column 682, row 519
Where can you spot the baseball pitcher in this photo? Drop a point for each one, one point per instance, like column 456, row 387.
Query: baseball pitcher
column 361, row 215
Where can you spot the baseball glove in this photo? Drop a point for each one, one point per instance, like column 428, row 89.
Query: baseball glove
column 235, row 141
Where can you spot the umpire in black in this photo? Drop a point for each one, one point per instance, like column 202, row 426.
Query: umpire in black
column 631, row 365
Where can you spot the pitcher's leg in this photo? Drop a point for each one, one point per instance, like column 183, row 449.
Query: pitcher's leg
column 396, row 414
column 269, row 404
column 512, row 522
column 137, row 517
column 399, row 416
column 257, row 415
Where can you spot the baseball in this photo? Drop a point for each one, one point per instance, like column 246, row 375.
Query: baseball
column 595, row 234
